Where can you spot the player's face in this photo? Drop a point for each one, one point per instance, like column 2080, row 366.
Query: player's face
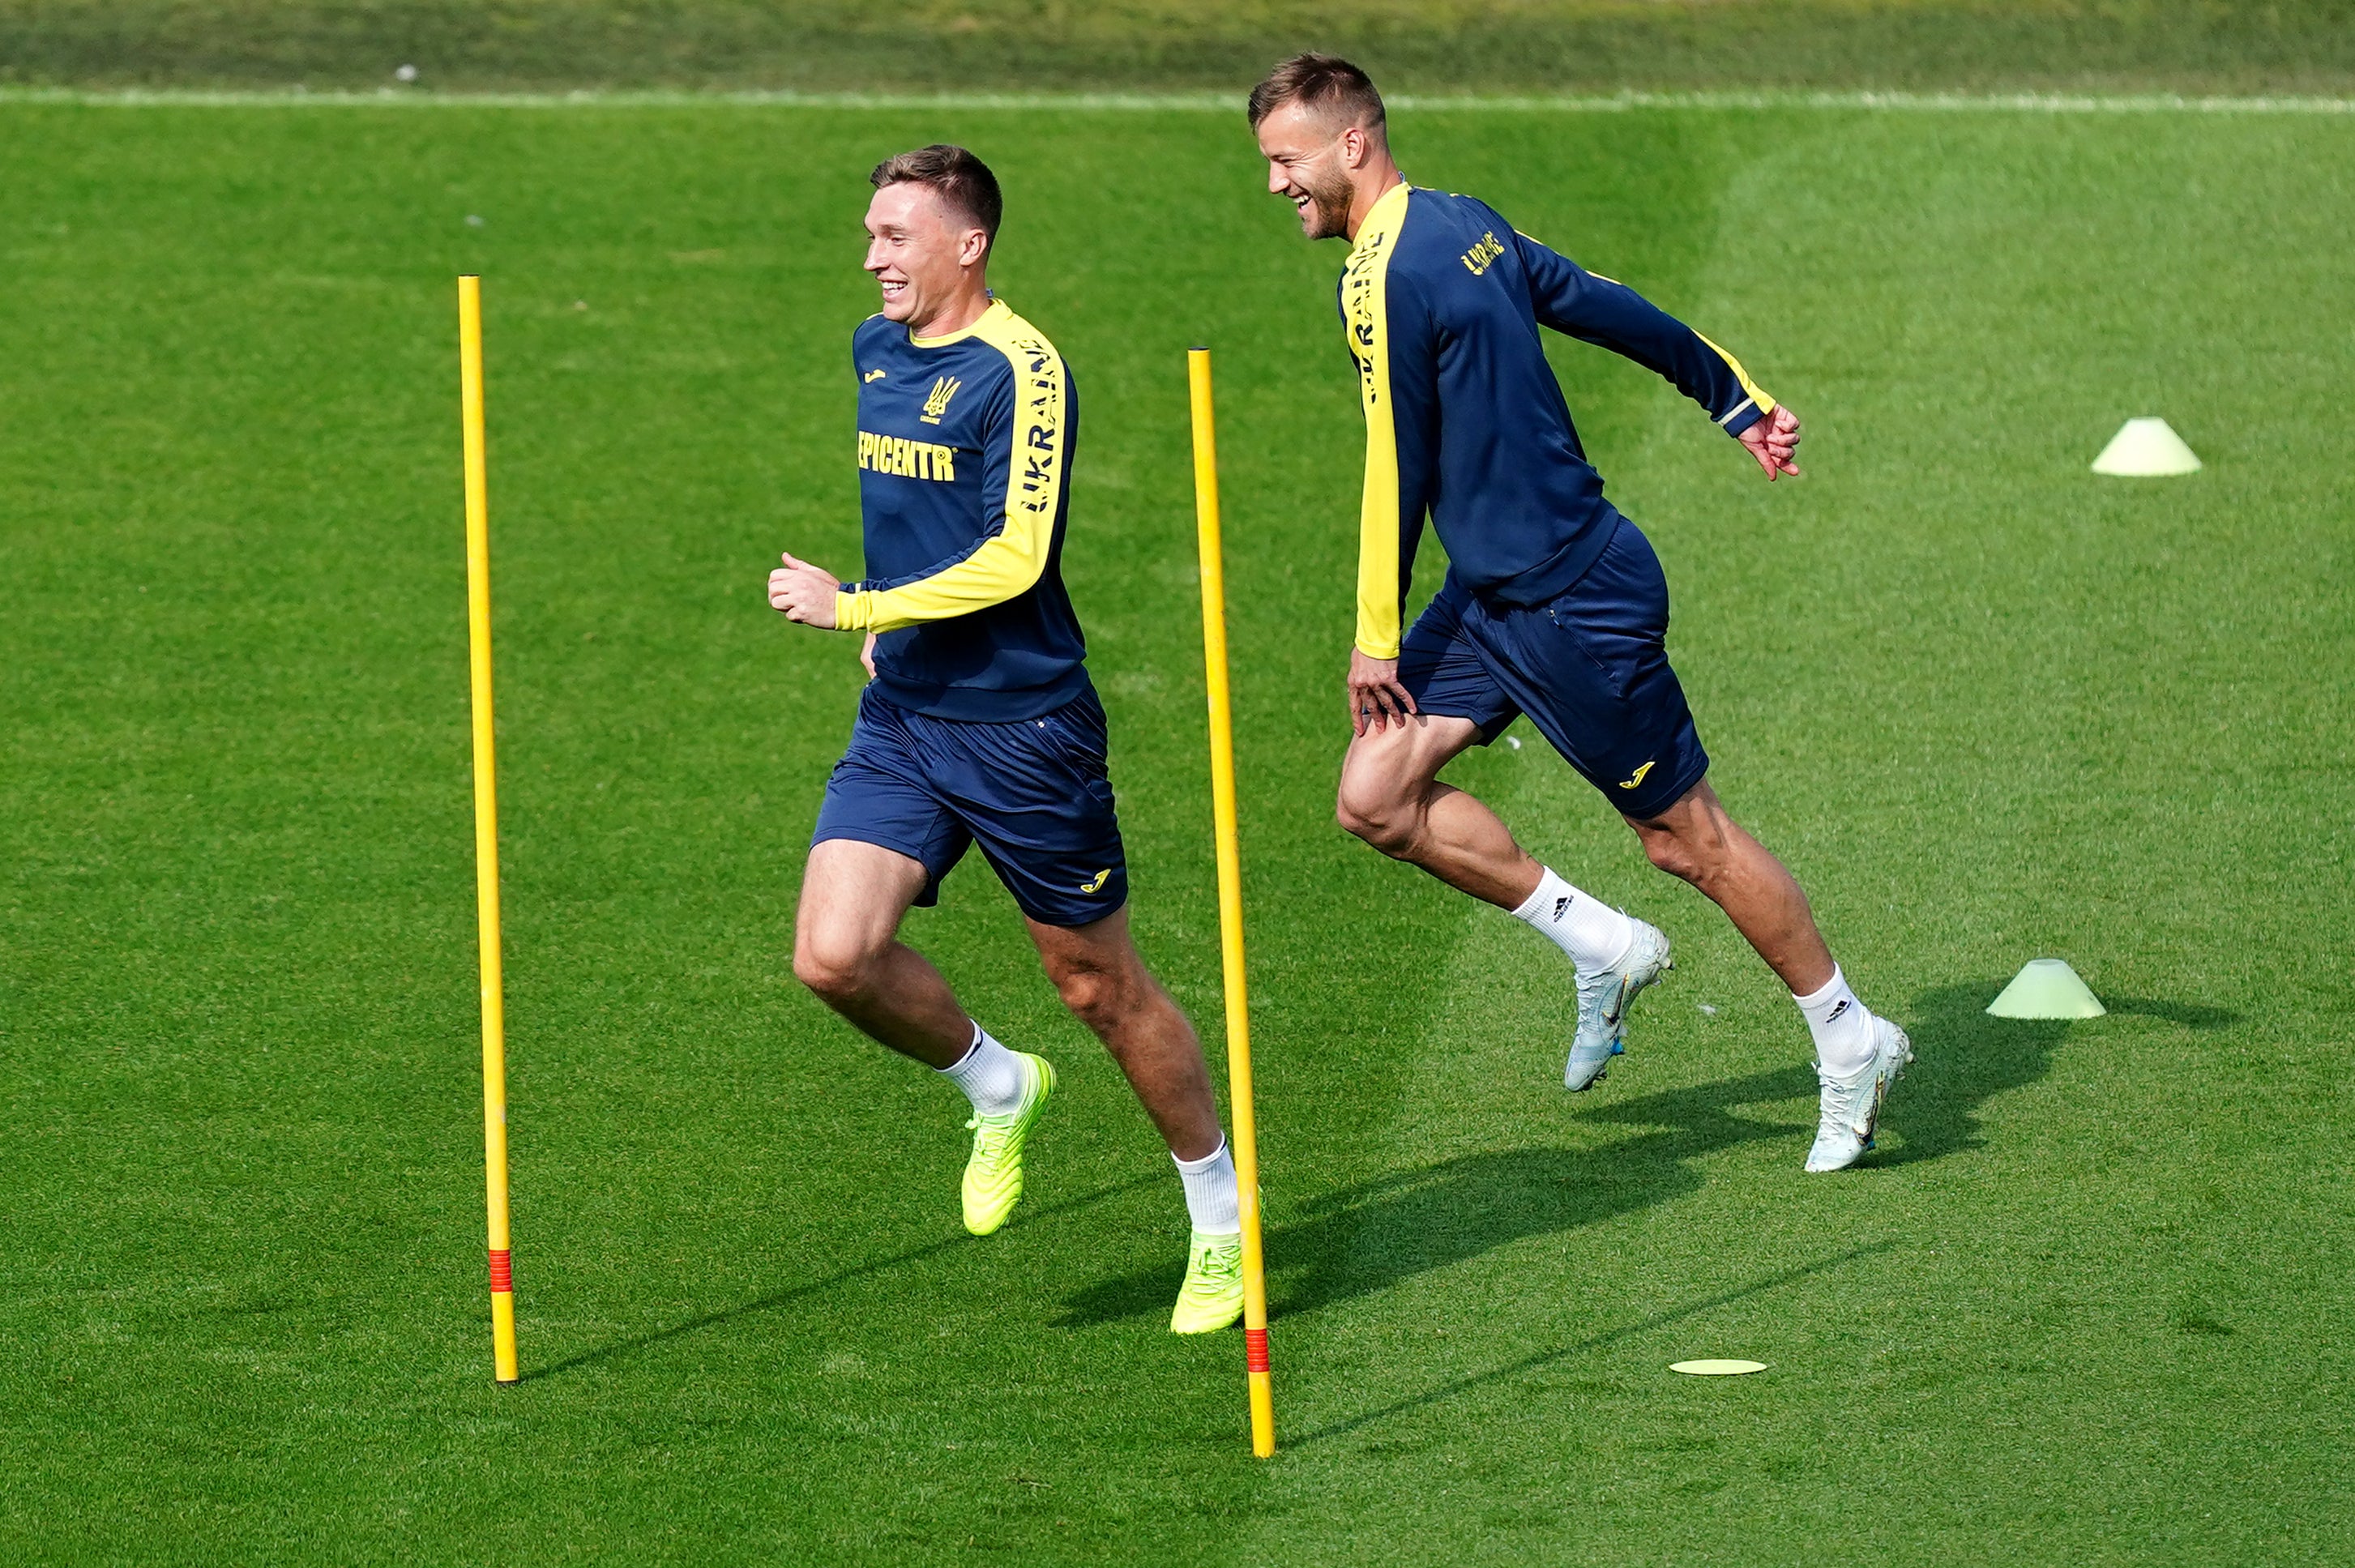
column 1304, row 167
column 918, row 250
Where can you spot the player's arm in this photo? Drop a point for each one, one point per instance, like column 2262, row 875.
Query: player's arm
column 1025, row 457
column 1396, row 354
column 1608, row 313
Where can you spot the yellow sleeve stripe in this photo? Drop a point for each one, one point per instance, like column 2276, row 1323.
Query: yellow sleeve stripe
column 1758, row 394
column 1365, row 294
column 1009, row 562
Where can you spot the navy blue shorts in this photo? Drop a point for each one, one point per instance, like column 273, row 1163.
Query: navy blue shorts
column 1034, row 793
column 1590, row 669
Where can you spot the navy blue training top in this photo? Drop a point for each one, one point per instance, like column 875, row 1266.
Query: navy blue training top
column 965, row 456
column 1442, row 301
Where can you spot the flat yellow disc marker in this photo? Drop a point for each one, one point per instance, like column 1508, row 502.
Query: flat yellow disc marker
column 1717, row 1368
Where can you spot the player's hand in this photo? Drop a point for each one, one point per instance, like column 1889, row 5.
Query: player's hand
column 1376, row 698
column 867, row 656
column 1774, row 442
column 804, row 593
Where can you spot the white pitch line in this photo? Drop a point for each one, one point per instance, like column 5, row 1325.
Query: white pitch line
column 2036, row 102
column 1570, row 103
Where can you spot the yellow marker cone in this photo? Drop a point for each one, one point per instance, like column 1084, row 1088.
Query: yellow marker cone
column 1717, row 1368
column 2047, row 988
column 2146, row 449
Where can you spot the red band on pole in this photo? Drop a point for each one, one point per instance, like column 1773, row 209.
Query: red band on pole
column 1255, row 1350
column 503, row 1279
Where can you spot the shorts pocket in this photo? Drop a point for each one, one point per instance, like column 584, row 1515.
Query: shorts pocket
column 1618, row 614
column 1074, row 740
column 1606, row 653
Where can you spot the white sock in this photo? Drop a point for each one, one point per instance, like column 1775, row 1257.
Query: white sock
column 1212, row 1199
column 1594, row 934
column 1842, row 1028
column 992, row 1077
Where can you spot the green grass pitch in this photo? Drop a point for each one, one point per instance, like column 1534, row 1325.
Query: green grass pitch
column 2088, row 1305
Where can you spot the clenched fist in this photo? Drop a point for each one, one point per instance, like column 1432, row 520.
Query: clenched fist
column 804, row 593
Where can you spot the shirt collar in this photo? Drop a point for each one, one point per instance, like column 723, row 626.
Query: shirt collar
column 1383, row 216
column 998, row 312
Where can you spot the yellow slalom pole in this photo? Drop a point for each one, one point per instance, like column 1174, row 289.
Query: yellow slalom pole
column 486, row 828
column 1230, row 898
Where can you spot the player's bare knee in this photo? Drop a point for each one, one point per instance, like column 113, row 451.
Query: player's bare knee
column 833, row 967
column 830, row 981
column 1675, row 856
column 1379, row 819
column 1097, row 997
column 1706, row 863
column 1111, row 994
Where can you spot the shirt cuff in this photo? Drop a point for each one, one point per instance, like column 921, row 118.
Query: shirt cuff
column 854, row 608
column 1745, row 414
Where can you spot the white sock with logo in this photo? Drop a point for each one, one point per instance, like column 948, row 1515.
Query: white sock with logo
column 992, row 1077
column 1842, row 1028
column 1594, row 934
column 1212, row 1200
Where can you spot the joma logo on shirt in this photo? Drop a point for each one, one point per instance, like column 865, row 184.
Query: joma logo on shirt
column 938, row 403
column 1478, row 259
column 911, row 459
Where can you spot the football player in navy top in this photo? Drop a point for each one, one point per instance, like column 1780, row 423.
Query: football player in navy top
column 1553, row 605
column 980, row 724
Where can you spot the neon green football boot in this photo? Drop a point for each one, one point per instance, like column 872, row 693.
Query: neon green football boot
column 993, row 1175
column 1212, row 1296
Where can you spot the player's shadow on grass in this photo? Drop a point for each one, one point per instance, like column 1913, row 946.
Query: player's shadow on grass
column 1366, row 1237
column 1539, row 1359
column 1962, row 1059
column 793, row 1294
column 1965, row 1057
column 2191, row 1015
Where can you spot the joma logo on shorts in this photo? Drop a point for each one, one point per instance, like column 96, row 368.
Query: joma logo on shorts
column 1095, row 884
column 1630, row 783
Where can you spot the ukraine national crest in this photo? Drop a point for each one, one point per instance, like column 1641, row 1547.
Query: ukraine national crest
column 937, row 403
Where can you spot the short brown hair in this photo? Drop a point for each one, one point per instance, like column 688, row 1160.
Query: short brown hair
column 1326, row 83
column 952, row 174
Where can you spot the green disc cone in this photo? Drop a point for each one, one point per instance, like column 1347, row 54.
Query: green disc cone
column 2047, row 988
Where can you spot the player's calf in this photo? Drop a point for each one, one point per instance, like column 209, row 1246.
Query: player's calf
column 1103, row 978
